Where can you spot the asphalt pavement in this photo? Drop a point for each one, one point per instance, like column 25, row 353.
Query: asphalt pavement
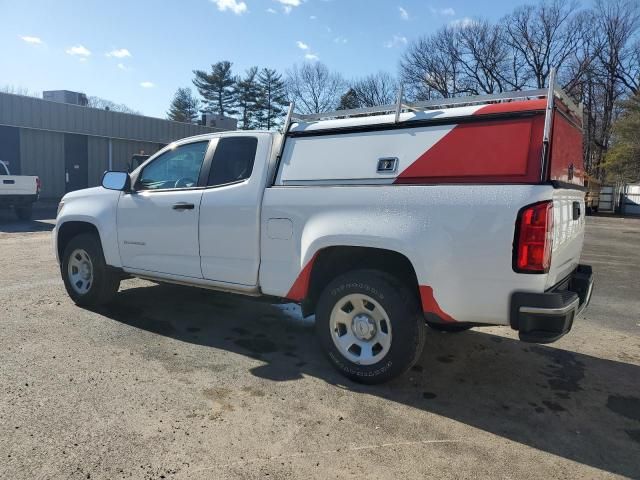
column 179, row 383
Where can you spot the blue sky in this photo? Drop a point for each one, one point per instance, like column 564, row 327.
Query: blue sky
column 138, row 52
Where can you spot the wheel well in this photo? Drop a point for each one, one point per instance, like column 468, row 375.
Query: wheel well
column 68, row 230
column 334, row 261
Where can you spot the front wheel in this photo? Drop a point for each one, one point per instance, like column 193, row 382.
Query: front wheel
column 87, row 278
column 370, row 326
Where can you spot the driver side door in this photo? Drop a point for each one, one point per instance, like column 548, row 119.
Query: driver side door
column 158, row 221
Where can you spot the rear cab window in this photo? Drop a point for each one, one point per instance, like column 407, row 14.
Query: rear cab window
column 233, row 160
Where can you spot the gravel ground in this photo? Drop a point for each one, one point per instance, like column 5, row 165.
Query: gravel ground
column 180, row 383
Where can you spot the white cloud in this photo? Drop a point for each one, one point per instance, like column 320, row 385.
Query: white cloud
column 313, row 17
column 79, row 50
column 340, row 40
column 119, row 53
column 312, row 56
column 271, row 10
column 403, row 13
column 31, row 40
column 233, row 5
column 302, row 45
column 462, row 22
column 396, row 41
column 288, row 5
column 147, row 84
column 447, row 12
column 121, row 66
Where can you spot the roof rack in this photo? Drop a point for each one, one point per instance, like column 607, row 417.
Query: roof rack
column 400, row 106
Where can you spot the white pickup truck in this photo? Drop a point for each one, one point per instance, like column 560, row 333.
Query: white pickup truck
column 382, row 222
column 18, row 191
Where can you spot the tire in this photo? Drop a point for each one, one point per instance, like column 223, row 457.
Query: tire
column 102, row 284
column 450, row 327
column 362, row 298
column 25, row 212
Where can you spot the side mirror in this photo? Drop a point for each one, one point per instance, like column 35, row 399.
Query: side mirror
column 116, row 181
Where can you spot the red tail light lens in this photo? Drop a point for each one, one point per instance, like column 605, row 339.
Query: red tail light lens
column 38, row 184
column 534, row 238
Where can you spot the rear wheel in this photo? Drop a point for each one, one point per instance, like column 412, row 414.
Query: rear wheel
column 87, row 278
column 370, row 326
column 25, row 212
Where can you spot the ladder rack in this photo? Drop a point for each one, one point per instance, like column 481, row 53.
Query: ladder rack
column 402, row 107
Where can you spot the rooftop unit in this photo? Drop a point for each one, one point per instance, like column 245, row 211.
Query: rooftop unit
column 219, row 121
column 65, row 96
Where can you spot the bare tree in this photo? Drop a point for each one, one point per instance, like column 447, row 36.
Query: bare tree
column 19, row 91
column 373, row 90
column 485, row 58
column 543, row 36
column 430, row 67
column 615, row 71
column 470, row 58
column 104, row 104
column 314, row 88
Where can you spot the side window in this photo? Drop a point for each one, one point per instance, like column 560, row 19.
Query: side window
column 3, row 169
column 233, row 160
column 178, row 168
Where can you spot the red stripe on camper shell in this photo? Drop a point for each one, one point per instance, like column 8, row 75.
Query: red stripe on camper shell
column 430, row 305
column 513, row 107
column 491, row 151
column 300, row 287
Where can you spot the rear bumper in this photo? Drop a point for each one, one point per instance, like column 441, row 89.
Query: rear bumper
column 545, row 317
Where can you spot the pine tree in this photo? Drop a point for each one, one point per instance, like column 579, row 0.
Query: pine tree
column 217, row 88
column 272, row 98
column 246, row 92
column 622, row 161
column 184, row 106
column 349, row 100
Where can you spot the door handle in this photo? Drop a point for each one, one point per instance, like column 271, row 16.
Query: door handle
column 183, row 206
column 9, row 182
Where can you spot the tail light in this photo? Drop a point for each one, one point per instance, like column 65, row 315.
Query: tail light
column 534, row 238
column 38, row 184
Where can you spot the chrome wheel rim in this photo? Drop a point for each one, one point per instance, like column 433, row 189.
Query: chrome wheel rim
column 80, row 271
column 360, row 329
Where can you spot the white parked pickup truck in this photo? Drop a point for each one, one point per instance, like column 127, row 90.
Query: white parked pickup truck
column 382, row 222
column 18, row 191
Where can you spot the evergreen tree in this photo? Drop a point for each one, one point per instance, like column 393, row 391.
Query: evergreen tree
column 217, row 88
column 349, row 100
column 184, row 106
column 622, row 161
column 246, row 93
column 272, row 99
